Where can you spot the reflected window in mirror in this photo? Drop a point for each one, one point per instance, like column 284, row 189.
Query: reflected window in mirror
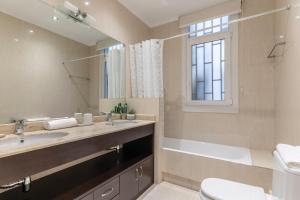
column 113, row 72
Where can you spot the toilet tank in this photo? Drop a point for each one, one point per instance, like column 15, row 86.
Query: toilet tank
column 286, row 181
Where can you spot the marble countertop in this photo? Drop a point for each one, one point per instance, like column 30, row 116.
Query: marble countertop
column 74, row 134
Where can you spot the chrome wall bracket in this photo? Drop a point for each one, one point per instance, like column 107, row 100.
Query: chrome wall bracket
column 25, row 183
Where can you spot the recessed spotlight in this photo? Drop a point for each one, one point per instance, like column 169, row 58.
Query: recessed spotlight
column 298, row 17
column 281, row 36
column 16, row 40
column 86, row 3
column 55, row 18
column 31, row 31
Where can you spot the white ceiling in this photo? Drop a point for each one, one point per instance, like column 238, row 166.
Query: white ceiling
column 158, row 12
column 40, row 14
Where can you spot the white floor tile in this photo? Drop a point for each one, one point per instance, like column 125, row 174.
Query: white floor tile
column 167, row 191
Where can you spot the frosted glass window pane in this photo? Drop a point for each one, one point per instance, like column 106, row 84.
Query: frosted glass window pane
column 225, row 28
column 193, row 29
column 217, row 22
column 194, row 79
column 208, row 52
column 208, row 31
column 225, row 20
column 194, row 55
column 223, row 50
column 208, row 97
column 208, row 78
column 208, row 61
column 216, row 29
column 200, row 26
column 200, row 91
column 200, row 64
column 217, row 91
column 208, row 24
column 223, row 76
column 217, row 61
column 200, row 33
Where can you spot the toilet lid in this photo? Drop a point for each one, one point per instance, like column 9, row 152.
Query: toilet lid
column 219, row 189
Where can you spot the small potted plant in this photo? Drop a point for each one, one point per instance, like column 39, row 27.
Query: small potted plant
column 120, row 111
column 131, row 115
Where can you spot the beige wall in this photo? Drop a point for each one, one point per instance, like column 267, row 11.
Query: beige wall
column 253, row 126
column 287, row 126
column 33, row 81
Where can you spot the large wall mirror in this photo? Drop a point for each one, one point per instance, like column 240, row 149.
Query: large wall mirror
column 53, row 63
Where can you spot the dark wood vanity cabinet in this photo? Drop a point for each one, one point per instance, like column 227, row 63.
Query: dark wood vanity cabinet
column 127, row 186
column 118, row 175
column 136, row 180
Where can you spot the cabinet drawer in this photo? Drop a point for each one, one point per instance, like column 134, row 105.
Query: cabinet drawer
column 107, row 191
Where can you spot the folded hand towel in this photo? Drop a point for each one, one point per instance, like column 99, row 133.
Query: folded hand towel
column 290, row 155
column 60, row 123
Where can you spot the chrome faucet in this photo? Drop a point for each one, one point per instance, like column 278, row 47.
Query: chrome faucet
column 20, row 128
column 109, row 118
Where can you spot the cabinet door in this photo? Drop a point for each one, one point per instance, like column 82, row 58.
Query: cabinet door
column 129, row 184
column 88, row 197
column 146, row 173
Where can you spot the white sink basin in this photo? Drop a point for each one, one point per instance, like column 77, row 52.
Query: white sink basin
column 122, row 122
column 15, row 142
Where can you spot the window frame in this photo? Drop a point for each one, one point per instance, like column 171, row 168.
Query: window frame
column 230, row 103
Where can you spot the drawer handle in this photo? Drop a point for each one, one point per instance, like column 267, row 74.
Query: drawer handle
column 107, row 192
column 142, row 171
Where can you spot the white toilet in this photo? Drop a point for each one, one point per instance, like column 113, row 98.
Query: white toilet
column 286, row 186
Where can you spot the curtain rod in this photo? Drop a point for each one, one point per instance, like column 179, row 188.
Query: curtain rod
column 84, row 58
column 286, row 8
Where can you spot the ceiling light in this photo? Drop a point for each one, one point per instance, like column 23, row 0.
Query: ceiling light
column 55, row 18
column 86, row 3
column 31, row 31
column 281, row 36
column 297, row 17
column 16, row 40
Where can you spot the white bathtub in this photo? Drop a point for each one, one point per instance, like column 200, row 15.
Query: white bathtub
column 210, row 150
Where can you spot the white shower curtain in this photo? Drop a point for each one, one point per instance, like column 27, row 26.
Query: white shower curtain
column 146, row 64
column 116, row 73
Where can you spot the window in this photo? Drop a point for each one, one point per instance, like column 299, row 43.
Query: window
column 211, row 66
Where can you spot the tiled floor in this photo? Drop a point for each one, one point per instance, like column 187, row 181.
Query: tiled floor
column 167, row 191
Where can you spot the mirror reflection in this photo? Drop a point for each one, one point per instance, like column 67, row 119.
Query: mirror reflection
column 54, row 63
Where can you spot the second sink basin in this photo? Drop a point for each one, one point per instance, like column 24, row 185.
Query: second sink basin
column 16, row 142
column 122, row 122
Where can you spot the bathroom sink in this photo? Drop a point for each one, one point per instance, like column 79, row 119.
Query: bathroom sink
column 122, row 122
column 16, row 142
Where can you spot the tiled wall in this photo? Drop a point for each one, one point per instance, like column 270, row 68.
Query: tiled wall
column 253, row 126
column 287, row 120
